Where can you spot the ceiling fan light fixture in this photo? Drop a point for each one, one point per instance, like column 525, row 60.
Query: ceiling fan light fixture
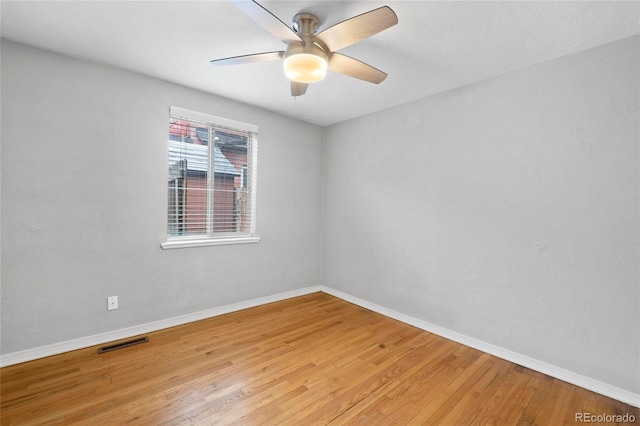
column 305, row 63
column 305, row 67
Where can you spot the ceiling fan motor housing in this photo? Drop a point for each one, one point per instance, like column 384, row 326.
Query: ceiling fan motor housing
column 306, row 61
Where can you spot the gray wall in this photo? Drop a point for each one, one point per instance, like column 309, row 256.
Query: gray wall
column 84, row 203
column 505, row 210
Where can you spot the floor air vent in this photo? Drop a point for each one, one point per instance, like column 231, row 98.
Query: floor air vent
column 121, row 345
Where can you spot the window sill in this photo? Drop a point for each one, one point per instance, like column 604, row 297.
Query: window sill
column 174, row 244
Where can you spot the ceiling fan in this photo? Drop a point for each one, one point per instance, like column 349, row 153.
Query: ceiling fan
column 308, row 55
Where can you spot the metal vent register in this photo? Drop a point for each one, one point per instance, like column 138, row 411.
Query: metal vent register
column 121, row 345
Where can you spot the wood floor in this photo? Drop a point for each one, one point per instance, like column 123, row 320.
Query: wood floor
column 311, row 360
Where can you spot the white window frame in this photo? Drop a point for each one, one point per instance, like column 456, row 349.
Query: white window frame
column 210, row 239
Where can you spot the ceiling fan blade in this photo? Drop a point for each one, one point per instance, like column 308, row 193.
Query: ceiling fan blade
column 355, row 68
column 267, row 20
column 357, row 28
column 248, row 59
column 298, row 89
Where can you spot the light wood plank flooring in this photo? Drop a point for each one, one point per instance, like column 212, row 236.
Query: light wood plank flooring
column 311, row 360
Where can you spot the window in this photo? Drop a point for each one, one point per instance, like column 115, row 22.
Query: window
column 211, row 180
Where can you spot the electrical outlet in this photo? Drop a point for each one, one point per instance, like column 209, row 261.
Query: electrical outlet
column 112, row 303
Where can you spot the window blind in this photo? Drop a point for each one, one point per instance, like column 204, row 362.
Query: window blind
column 211, row 177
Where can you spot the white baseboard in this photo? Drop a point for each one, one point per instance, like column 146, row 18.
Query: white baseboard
column 124, row 333
column 523, row 360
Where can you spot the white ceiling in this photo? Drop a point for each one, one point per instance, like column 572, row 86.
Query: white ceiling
column 436, row 46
